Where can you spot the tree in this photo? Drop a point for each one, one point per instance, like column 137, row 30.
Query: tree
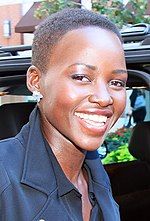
column 115, row 10
column 48, row 7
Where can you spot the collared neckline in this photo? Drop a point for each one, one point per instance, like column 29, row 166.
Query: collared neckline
column 64, row 185
column 37, row 169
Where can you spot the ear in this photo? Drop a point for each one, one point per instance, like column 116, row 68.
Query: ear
column 33, row 77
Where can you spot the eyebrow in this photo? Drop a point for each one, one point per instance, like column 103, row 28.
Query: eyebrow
column 92, row 67
column 120, row 71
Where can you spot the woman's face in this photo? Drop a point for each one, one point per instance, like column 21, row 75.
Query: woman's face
column 84, row 87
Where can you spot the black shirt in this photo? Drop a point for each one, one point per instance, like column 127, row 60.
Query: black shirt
column 70, row 196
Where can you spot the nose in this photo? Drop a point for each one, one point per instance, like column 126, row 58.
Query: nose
column 101, row 95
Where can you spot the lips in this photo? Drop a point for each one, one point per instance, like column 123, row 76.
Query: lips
column 95, row 122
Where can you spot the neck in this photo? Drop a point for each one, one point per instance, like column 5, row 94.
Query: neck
column 69, row 156
column 70, row 159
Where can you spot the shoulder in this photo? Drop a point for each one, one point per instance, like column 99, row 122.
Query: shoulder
column 10, row 147
column 4, row 179
column 11, row 159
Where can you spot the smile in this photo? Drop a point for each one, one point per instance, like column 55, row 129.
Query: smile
column 92, row 119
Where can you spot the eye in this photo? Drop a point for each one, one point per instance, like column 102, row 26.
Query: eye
column 117, row 83
column 80, row 77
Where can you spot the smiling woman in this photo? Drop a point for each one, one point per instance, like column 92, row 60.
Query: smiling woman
column 78, row 74
column 84, row 89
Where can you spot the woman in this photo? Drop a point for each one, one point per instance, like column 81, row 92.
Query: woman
column 51, row 170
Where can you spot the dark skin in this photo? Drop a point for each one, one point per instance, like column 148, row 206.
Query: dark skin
column 83, row 96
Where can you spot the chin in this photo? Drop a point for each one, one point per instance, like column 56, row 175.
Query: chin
column 90, row 145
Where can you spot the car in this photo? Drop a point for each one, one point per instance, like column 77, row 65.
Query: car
column 126, row 151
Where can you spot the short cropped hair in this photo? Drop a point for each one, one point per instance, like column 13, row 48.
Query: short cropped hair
column 57, row 25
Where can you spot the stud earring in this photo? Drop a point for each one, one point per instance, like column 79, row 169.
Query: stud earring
column 37, row 96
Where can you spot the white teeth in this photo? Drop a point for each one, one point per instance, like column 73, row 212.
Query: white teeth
column 92, row 117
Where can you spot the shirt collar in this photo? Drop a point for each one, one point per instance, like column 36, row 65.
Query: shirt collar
column 37, row 169
column 64, row 185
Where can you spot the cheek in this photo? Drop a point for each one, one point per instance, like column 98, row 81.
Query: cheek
column 119, row 103
column 65, row 99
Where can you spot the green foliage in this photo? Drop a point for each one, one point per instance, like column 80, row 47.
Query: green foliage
column 48, row 7
column 119, row 14
column 120, row 137
column 120, row 155
column 118, row 146
column 113, row 9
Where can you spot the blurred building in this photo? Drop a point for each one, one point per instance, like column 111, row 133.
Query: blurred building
column 9, row 16
column 17, row 21
column 11, row 13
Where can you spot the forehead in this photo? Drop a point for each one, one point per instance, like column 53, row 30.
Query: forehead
column 81, row 43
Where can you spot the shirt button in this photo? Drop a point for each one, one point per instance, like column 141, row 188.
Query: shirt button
column 41, row 219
